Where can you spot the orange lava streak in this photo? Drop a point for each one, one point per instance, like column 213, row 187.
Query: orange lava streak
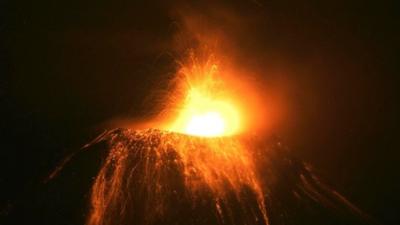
column 144, row 175
column 138, row 176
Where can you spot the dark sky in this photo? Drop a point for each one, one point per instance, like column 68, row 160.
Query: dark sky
column 67, row 67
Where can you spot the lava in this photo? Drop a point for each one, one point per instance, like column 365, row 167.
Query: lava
column 204, row 116
column 203, row 103
column 150, row 173
column 198, row 143
column 198, row 167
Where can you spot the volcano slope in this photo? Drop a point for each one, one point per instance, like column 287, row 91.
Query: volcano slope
column 158, row 177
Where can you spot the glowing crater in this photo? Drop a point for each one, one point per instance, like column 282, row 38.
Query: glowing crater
column 206, row 115
column 207, row 124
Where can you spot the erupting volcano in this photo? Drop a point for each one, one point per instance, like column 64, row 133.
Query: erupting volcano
column 197, row 160
column 199, row 113
column 200, row 165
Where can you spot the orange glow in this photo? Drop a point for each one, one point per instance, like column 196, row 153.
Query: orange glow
column 206, row 108
column 149, row 160
column 197, row 137
column 203, row 115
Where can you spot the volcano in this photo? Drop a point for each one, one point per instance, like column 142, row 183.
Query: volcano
column 149, row 175
column 146, row 179
column 142, row 177
column 198, row 164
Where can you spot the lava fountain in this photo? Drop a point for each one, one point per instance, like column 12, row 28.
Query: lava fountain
column 198, row 164
column 195, row 160
column 206, row 107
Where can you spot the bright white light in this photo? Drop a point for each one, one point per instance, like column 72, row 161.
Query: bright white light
column 207, row 124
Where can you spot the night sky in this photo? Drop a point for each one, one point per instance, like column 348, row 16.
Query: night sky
column 68, row 68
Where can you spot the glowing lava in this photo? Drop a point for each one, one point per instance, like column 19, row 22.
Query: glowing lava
column 207, row 109
column 204, row 116
column 150, row 174
column 147, row 173
column 208, row 124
